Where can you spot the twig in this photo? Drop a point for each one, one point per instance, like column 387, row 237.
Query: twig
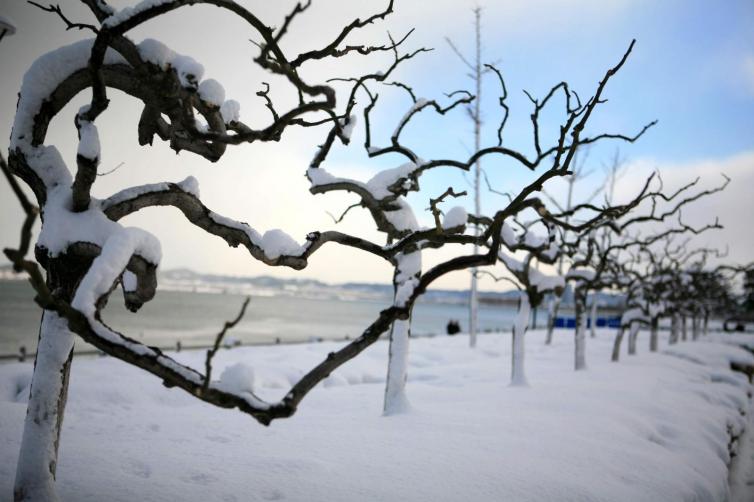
column 343, row 215
column 55, row 9
column 499, row 278
column 111, row 171
column 218, row 341
column 436, row 211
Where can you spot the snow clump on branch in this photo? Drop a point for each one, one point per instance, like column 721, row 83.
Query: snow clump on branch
column 237, row 379
column 41, row 80
column 456, row 217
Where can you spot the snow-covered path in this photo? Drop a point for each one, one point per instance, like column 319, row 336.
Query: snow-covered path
column 653, row 427
column 742, row 467
column 742, row 470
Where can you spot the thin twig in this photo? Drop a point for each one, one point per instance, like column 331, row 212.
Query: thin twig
column 343, row 215
column 436, row 212
column 218, row 341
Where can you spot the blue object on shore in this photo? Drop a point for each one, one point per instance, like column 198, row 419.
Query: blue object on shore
column 565, row 322
column 602, row 322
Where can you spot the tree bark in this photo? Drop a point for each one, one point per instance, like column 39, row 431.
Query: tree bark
column 695, row 327
column 580, row 330
column 552, row 314
column 37, row 460
column 38, row 457
column 593, row 316
column 653, row 335
column 674, row 327
column 632, row 336
column 395, row 387
column 616, row 344
column 400, row 332
column 518, row 374
column 684, row 328
column 705, row 325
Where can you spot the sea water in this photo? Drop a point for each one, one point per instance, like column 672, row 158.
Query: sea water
column 195, row 318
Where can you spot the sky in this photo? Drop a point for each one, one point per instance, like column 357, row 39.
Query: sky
column 692, row 69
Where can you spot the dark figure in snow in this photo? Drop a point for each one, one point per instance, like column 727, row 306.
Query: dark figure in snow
column 453, row 327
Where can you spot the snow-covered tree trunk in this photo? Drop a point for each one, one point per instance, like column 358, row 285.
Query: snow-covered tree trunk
column 518, row 374
column 395, row 388
column 684, row 328
column 653, row 335
column 633, row 333
column 38, row 457
column 406, row 276
column 37, row 460
column 695, row 327
column 674, row 328
column 553, row 308
column 593, row 318
column 617, row 343
column 580, row 331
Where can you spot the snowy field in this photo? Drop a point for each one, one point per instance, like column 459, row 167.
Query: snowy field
column 654, row 427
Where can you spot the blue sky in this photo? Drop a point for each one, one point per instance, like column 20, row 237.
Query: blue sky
column 692, row 69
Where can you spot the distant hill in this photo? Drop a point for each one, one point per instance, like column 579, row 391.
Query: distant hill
column 183, row 279
column 188, row 280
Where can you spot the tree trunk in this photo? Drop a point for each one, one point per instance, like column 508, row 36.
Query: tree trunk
column 593, row 316
column 684, row 328
column 632, row 336
column 518, row 375
column 579, row 299
column 695, row 327
column 408, row 270
column 617, row 343
column 552, row 314
column 37, row 460
column 395, row 387
column 653, row 336
column 674, row 327
column 534, row 317
column 473, row 307
column 705, row 325
column 38, row 457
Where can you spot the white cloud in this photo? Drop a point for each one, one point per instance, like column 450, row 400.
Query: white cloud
column 734, row 206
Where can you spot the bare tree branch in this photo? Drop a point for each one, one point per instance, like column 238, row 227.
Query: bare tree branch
column 218, row 340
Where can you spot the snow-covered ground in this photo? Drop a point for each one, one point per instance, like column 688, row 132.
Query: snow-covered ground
column 652, row 427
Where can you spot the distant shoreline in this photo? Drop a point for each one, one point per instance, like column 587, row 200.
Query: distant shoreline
column 93, row 352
